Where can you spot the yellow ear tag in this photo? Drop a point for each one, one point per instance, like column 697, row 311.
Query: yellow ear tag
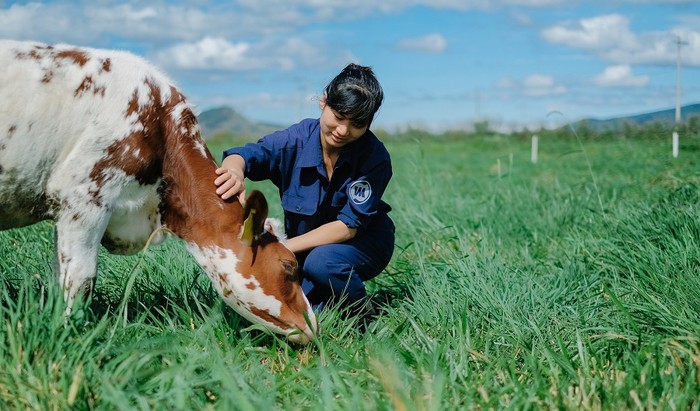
column 247, row 235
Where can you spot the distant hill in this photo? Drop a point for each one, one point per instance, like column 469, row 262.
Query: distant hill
column 226, row 119
column 665, row 117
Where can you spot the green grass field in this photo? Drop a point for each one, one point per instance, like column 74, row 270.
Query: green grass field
column 573, row 283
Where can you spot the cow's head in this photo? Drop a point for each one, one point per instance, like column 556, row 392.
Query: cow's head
column 265, row 287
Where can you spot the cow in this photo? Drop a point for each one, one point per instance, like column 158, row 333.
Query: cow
column 105, row 145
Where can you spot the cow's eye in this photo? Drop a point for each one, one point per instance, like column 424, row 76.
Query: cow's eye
column 290, row 269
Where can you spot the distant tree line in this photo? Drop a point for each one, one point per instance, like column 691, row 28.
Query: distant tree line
column 655, row 130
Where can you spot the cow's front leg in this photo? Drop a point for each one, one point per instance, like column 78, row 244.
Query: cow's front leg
column 77, row 245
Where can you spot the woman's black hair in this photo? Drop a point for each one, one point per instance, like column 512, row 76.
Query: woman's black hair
column 356, row 94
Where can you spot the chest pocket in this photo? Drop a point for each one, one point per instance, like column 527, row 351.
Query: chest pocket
column 295, row 204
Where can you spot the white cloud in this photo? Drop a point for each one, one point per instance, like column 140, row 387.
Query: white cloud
column 216, row 53
column 521, row 19
column 505, row 83
column 472, row 4
column 35, row 21
column 620, row 76
column 209, row 53
column 535, row 85
column 362, row 7
column 540, row 85
column 534, row 3
column 597, row 33
column 432, row 43
column 611, row 38
column 689, row 20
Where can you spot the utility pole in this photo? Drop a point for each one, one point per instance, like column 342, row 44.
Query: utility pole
column 477, row 105
column 679, row 43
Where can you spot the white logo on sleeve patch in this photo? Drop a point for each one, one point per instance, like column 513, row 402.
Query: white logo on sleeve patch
column 359, row 192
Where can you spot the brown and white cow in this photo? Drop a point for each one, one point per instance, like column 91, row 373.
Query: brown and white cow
column 105, row 145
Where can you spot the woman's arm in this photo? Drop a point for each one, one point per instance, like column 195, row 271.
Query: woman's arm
column 329, row 233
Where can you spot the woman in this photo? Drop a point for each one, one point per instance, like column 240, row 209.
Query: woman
column 331, row 173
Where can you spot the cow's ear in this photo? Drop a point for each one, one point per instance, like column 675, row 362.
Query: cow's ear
column 247, row 233
column 255, row 215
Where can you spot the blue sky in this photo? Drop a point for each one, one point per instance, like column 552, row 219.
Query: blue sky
column 443, row 64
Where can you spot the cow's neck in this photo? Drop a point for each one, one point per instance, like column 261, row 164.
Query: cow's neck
column 190, row 206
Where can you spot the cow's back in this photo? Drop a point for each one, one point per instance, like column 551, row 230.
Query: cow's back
column 61, row 109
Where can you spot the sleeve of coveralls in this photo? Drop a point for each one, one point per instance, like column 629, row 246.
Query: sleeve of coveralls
column 364, row 195
column 261, row 158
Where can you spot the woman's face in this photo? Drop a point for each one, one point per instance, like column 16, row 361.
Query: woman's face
column 336, row 130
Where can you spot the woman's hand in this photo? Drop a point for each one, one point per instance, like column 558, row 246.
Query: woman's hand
column 231, row 178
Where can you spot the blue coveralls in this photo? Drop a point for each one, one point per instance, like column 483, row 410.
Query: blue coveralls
column 292, row 159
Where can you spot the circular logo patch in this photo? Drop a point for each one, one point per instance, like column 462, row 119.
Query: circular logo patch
column 359, row 192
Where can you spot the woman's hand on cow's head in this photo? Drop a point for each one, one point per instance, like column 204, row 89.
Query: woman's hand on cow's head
column 230, row 183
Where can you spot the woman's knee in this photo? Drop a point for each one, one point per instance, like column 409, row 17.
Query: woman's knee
column 319, row 264
column 328, row 270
